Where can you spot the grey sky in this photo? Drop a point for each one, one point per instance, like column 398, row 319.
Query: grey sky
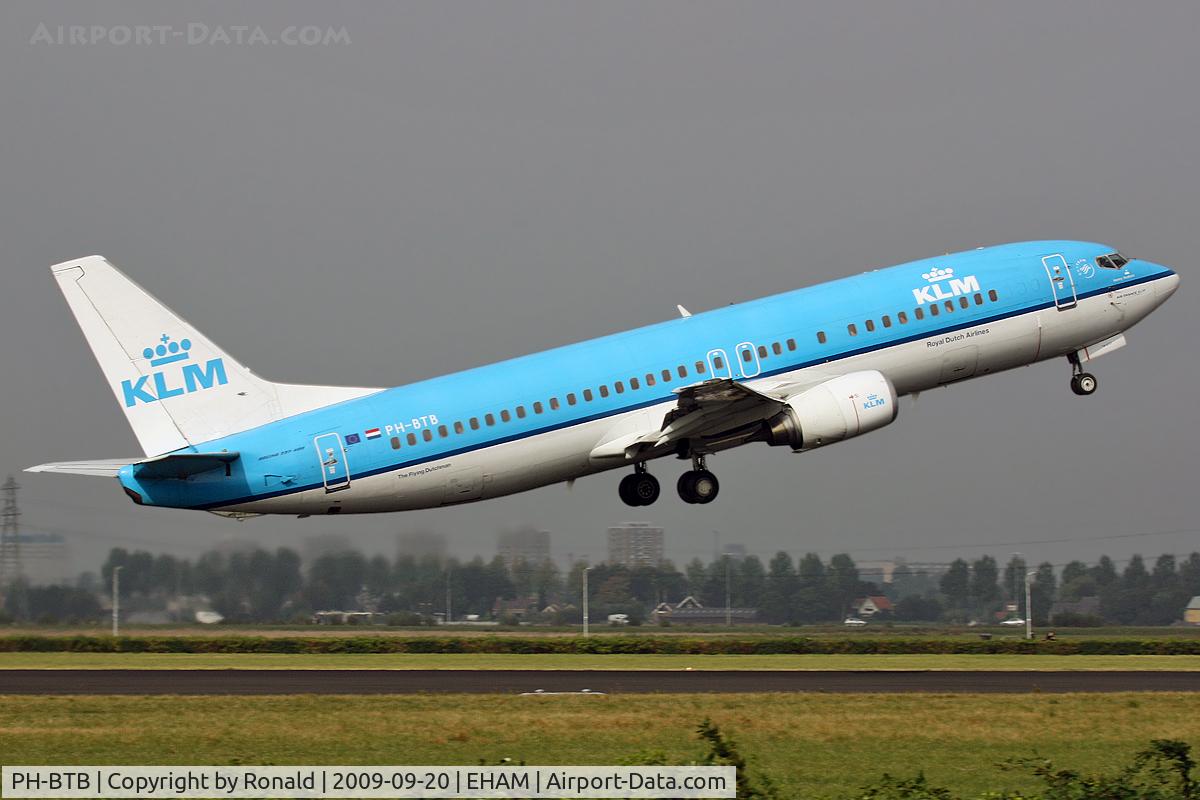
column 465, row 182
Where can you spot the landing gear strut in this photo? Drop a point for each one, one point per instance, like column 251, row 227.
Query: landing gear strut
column 639, row 489
column 698, row 485
column 1082, row 383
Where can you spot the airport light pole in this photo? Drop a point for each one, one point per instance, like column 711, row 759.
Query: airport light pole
column 116, row 600
column 1028, row 608
column 585, row 601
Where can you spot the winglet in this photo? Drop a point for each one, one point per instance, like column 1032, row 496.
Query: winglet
column 683, row 312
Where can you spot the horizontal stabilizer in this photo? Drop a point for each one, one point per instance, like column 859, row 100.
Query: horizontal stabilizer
column 181, row 465
column 104, row 468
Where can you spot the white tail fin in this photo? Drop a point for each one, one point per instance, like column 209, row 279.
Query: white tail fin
column 176, row 387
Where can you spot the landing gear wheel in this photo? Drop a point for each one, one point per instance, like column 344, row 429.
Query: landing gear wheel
column 698, row 486
column 1083, row 384
column 639, row 489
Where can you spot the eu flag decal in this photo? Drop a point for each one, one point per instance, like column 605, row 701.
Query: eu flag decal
column 353, row 438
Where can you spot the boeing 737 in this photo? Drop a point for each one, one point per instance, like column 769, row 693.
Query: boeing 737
column 799, row 370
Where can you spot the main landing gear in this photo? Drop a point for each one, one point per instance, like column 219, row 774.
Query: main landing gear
column 639, row 489
column 1082, row 383
column 698, row 485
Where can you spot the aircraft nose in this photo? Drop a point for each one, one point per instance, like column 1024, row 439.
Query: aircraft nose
column 1167, row 286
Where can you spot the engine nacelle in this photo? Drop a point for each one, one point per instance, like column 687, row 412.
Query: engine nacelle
column 837, row 409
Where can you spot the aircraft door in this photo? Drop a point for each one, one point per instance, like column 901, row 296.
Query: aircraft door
column 718, row 364
column 1062, row 282
column 335, row 472
column 748, row 360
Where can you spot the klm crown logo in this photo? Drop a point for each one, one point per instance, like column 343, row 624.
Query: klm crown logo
column 164, row 384
column 943, row 285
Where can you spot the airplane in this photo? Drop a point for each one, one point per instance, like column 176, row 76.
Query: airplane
column 799, row 370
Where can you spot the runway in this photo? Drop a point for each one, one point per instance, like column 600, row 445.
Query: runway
column 332, row 681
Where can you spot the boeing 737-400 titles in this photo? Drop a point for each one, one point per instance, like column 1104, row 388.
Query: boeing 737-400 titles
column 799, row 370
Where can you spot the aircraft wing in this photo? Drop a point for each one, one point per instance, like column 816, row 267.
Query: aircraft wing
column 715, row 414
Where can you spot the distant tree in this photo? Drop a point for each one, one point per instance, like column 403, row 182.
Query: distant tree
column 843, row 583
column 916, row 608
column 813, row 602
column 1041, row 593
column 955, row 584
column 752, row 582
column 1104, row 572
column 985, row 590
column 780, row 591
column 1014, row 580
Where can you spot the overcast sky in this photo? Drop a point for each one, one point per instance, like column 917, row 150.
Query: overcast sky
column 449, row 184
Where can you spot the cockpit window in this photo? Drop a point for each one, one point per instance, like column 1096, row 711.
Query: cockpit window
column 1112, row 261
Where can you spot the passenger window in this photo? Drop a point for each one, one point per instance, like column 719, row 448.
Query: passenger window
column 992, row 295
column 718, row 362
column 919, row 313
column 747, row 355
column 634, row 385
column 666, row 373
column 762, row 351
column 700, row 367
column 443, row 431
column 791, row 343
column 649, row 378
column 933, row 310
column 949, row 306
column 395, row 442
column 902, row 317
column 505, row 415
column 978, row 299
column 412, row 439
column 964, row 302
column 851, row 329
column 490, row 419
column 821, row 337
column 427, row 435
column 620, row 387
column 604, row 390
column 520, row 412
column 682, row 371
column 570, row 398
column 887, row 321
column 538, row 407
column 587, row 395
column 474, row 423
column 554, row 404
column 459, row 428
column 870, row 325
column 777, row 349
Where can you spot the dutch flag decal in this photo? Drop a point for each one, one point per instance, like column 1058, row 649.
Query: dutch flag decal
column 373, row 433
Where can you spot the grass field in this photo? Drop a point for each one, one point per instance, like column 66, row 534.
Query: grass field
column 611, row 661
column 813, row 745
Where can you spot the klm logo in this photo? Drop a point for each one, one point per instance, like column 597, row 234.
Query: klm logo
column 943, row 285
column 874, row 401
column 164, row 384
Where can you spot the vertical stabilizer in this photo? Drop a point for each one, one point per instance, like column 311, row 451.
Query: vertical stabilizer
column 175, row 386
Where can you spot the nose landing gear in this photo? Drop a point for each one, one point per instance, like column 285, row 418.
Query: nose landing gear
column 698, row 485
column 639, row 489
column 1082, row 383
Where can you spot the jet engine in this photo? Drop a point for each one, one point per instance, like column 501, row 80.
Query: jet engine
column 840, row 408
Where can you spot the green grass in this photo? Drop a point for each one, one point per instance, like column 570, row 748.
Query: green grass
column 814, row 745
column 611, row 661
